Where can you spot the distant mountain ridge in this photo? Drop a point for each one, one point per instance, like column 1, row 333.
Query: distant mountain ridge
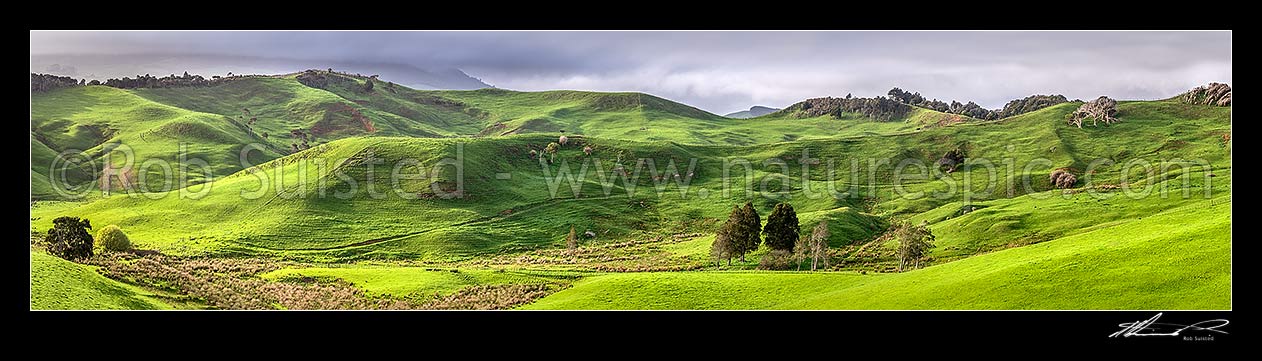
column 754, row 111
column 101, row 67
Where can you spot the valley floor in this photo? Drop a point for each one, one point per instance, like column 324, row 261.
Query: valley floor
column 1176, row 259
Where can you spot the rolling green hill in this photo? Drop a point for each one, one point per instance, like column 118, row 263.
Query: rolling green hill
column 280, row 112
column 57, row 284
column 333, row 203
column 1177, row 259
column 496, row 214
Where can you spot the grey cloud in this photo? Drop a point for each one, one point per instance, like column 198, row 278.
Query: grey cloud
column 728, row 71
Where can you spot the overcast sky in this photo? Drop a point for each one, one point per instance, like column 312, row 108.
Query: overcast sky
column 724, row 72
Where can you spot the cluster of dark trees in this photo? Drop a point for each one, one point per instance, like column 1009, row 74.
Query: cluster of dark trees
column 314, row 79
column 1018, row 106
column 743, row 233
column 879, row 108
column 969, row 109
column 170, row 81
column 1030, row 103
column 46, row 82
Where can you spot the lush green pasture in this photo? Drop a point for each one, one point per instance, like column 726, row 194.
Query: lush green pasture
column 1177, row 259
column 57, row 284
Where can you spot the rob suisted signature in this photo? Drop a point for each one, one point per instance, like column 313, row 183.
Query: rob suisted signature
column 1151, row 327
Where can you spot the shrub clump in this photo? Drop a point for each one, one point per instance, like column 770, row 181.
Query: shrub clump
column 1102, row 109
column 69, row 238
column 1217, row 94
column 112, row 238
column 1063, row 179
column 776, row 260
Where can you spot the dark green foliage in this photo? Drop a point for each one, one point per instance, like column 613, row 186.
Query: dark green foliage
column 730, row 240
column 878, row 108
column 1030, row 103
column 747, row 237
column 782, row 228
column 313, row 79
column 46, row 82
column 952, row 159
column 170, row 81
column 69, row 238
column 368, row 85
column 970, row 109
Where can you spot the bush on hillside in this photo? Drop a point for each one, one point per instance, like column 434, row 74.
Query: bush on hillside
column 69, row 238
column 1218, row 94
column 1030, row 103
column 46, row 82
column 878, row 108
column 112, row 238
column 952, row 160
column 1102, row 109
column 1062, row 179
column 776, row 260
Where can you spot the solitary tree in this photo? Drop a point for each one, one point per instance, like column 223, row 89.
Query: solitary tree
column 782, row 228
column 69, row 238
column 746, row 237
column 368, row 85
column 914, row 241
column 571, row 240
column 819, row 244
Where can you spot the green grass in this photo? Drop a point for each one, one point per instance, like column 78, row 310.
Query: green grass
column 300, row 223
column 58, row 284
column 1178, row 259
column 502, row 219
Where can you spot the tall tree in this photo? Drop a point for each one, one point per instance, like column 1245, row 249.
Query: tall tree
column 782, row 228
column 746, row 237
column 722, row 247
column 801, row 251
column 819, row 244
column 730, row 233
column 914, row 241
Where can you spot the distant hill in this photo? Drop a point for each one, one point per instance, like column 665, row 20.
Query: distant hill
column 754, row 111
column 101, row 67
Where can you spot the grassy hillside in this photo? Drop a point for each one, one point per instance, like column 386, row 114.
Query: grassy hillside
column 1177, row 259
column 332, row 209
column 496, row 214
column 57, row 284
column 215, row 123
